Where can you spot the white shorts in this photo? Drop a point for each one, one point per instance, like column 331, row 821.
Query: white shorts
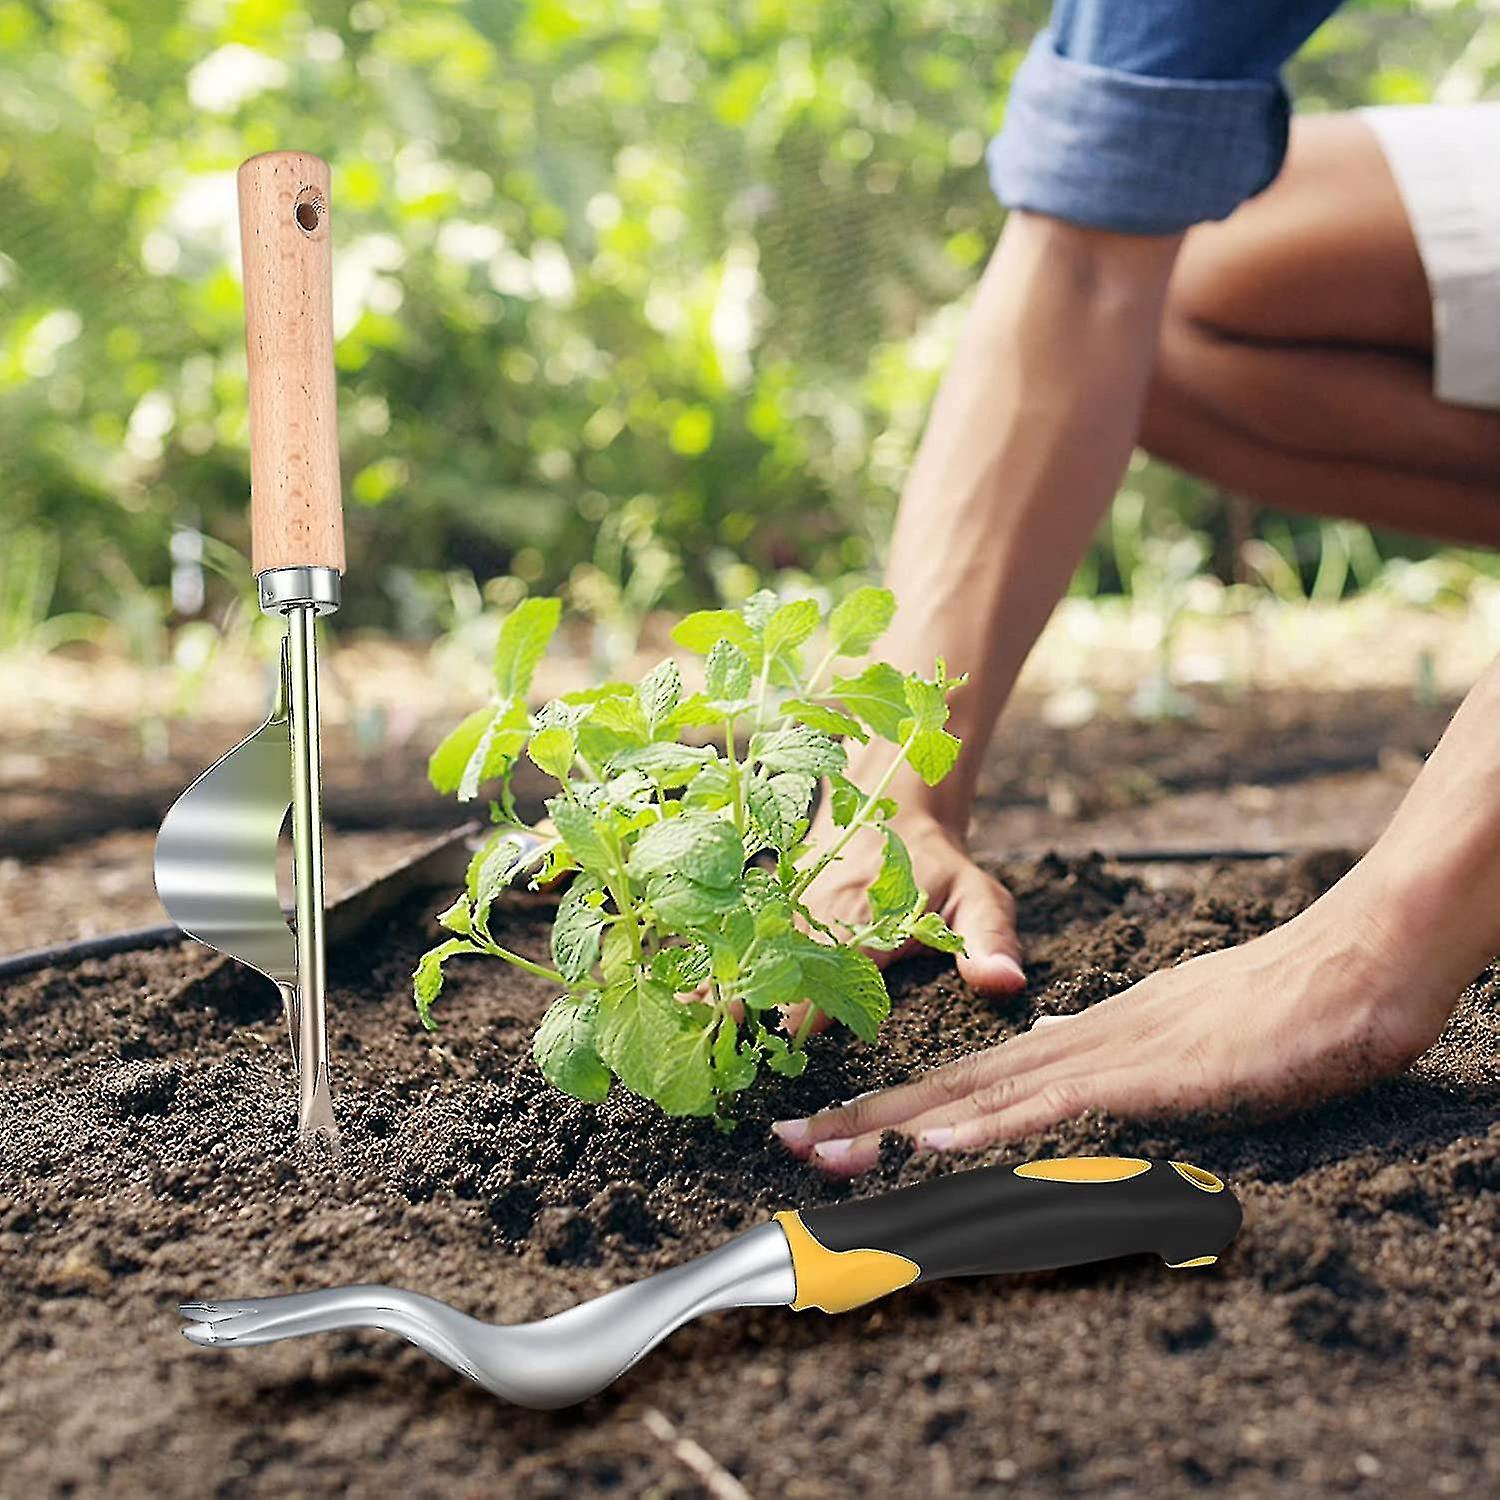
column 1446, row 161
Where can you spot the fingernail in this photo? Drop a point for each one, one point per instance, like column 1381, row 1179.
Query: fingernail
column 790, row 1132
column 1007, row 962
column 938, row 1138
column 855, row 1098
column 833, row 1150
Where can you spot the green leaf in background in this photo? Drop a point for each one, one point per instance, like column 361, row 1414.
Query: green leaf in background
column 842, row 984
column 524, row 638
column 564, row 1049
column 859, row 620
column 577, row 930
column 710, row 788
column 782, row 1057
column 702, row 631
column 496, row 750
column 427, row 979
column 877, row 696
column 702, row 847
column 893, row 892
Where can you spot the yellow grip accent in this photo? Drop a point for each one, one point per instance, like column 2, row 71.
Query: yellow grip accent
column 838, row 1280
column 1200, row 1178
column 1085, row 1169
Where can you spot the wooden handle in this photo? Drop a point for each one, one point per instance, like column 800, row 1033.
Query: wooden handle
column 296, row 519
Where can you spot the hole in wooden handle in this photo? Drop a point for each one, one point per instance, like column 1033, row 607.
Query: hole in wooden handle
column 308, row 211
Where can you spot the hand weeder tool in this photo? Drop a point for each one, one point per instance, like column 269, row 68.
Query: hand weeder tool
column 1041, row 1216
column 216, row 851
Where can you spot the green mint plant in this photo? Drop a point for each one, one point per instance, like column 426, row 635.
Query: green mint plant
column 685, row 926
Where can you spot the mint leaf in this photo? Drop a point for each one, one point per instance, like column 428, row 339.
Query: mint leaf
column 927, row 702
column 685, row 1074
column 577, row 930
column 877, row 697
column 798, row 748
column 932, row 930
column 495, row 864
column 702, row 631
column 728, row 674
column 702, row 847
column 829, row 720
column 687, row 905
column 758, row 609
column 456, row 917
column 681, row 970
column 734, row 1069
column 576, row 826
column 667, row 764
column 773, row 978
column 860, row 620
column 933, row 754
column 638, row 1020
column 427, row 978
column 552, row 751
column 496, row 750
column 778, row 806
column 564, row 1049
column 659, row 693
column 524, row 638
column 710, row 788
column 623, row 717
column 783, row 1058
column 843, row 984
column 846, row 799
column 893, row 892
column 790, row 626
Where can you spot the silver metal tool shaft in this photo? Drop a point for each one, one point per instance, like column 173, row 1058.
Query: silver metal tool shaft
column 302, row 594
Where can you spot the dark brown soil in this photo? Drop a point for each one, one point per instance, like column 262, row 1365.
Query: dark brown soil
column 1350, row 1342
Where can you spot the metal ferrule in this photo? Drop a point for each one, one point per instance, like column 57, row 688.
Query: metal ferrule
column 282, row 589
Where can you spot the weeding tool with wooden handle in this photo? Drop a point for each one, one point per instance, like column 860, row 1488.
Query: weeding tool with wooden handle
column 1042, row 1216
column 216, row 851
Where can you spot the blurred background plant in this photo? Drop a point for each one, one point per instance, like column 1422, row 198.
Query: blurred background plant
column 641, row 300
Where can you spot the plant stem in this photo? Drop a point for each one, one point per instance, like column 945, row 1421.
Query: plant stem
column 859, row 821
column 540, row 970
column 808, row 1017
column 736, row 781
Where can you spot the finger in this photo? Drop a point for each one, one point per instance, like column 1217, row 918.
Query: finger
column 983, row 913
column 1058, row 1095
column 943, row 1088
column 942, row 1127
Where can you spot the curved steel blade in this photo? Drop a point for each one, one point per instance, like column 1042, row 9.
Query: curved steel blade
column 217, row 848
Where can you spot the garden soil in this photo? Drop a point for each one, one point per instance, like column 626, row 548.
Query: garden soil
column 1349, row 1343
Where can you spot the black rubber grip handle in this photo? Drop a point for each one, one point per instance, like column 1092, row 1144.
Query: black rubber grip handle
column 1036, row 1217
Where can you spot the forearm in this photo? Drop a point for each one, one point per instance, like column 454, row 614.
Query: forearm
column 1031, row 431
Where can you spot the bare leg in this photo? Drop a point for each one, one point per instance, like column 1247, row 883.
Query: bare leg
column 1295, row 359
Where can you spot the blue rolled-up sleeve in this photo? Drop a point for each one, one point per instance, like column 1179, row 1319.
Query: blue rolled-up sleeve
column 1148, row 152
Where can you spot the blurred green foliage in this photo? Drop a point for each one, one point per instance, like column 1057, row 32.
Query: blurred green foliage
column 643, row 299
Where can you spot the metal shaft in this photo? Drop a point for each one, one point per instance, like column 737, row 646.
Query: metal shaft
column 315, row 1105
